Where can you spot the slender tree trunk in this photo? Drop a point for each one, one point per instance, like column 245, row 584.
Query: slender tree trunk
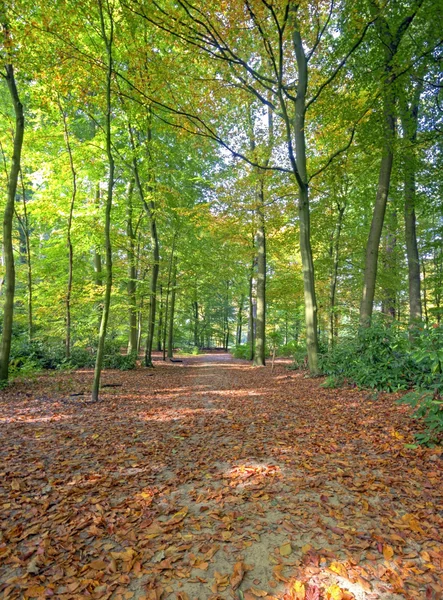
column 260, row 340
column 150, row 209
column 335, row 254
column 68, row 234
column 108, row 39
column 196, row 322
column 160, row 322
column 98, row 269
column 26, row 231
column 409, row 121
column 8, row 308
column 390, row 294
column 140, row 325
column 172, row 311
column 425, row 292
column 132, row 273
column 378, row 216
column 168, row 293
column 251, row 322
column 240, row 320
column 153, row 288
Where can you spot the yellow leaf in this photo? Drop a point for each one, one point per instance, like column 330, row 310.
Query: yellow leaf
column 339, row 569
column 298, row 591
column 334, row 593
column 285, row 549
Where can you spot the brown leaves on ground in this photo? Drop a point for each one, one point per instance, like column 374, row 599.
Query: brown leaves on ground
column 213, row 480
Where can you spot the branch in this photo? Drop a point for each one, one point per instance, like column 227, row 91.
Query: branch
column 341, row 64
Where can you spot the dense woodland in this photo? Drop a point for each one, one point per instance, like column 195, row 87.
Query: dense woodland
column 250, row 174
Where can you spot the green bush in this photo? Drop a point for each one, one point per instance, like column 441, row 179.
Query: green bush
column 27, row 358
column 377, row 357
column 288, row 350
column 242, row 351
column 429, row 408
column 124, row 362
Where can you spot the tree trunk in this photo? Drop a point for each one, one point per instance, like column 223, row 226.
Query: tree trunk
column 172, row 311
column 132, row 274
column 98, row 270
column 107, row 299
column 251, row 321
column 26, row 232
column 373, row 243
column 240, row 320
column 8, row 308
column 391, row 41
column 335, row 254
column 300, row 172
column 150, row 209
column 160, row 322
column 196, row 324
column 409, row 121
column 259, row 354
column 389, row 302
column 68, row 234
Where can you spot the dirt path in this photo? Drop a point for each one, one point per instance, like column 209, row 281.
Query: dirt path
column 210, row 479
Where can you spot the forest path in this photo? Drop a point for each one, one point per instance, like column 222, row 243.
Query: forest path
column 211, row 479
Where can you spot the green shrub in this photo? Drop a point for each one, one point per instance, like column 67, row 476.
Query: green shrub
column 288, row 350
column 124, row 362
column 377, row 357
column 429, row 408
column 242, row 351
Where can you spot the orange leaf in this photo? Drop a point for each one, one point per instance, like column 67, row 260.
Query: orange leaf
column 237, row 575
column 258, row 593
column 97, row 565
column 388, row 552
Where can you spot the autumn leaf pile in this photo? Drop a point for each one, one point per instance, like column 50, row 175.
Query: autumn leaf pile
column 210, row 480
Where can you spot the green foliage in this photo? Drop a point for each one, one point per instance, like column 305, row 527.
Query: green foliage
column 288, row 350
column 28, row 358
column 429, row 408
column 242, row 351
column 384, row 358
column 377, row 357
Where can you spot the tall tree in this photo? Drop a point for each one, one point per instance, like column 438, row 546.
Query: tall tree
column 8, row 308
column 107, row 33
column 390, row 37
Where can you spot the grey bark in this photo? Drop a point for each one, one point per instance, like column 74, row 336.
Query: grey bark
column 68, row 234
column 8, row 308
column 409, row 121
column 299, row 168
column 335, row 255
column 172, row 311
column 260, row 334
column 132, row 272
column 108, row 38
column 251, row 320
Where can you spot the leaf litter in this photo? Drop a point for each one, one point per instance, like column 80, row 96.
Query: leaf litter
column 210, row 480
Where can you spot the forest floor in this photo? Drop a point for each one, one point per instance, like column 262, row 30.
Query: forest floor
column 211, row 479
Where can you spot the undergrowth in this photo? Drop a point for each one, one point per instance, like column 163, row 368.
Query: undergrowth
column 385, row 358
